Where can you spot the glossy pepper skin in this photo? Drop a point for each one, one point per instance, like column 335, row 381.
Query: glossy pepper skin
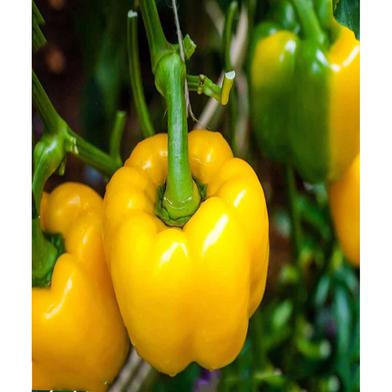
column 305, row 94
column 186, row 294
column 344, row 201
column 79, row 341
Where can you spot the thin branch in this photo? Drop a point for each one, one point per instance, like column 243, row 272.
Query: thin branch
column 238, row 51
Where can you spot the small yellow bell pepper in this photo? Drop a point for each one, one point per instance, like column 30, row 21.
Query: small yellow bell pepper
column 78, row 337
column 344, row 200
column 186, row 294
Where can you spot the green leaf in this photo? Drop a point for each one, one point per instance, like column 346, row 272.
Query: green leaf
column 39, row 39
column 347, row 13
column 343, row 315
column 322, row 290
column 282, row 314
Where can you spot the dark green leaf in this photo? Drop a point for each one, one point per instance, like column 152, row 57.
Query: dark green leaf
column 347, row 13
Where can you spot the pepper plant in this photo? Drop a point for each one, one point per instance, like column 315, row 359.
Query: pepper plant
column 181, row 202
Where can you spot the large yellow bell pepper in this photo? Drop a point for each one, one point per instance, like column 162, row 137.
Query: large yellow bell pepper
column 186, row 294
column 78, row 337
column 344, row 200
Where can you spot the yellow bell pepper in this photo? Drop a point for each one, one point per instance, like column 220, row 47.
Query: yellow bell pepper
column 78, row 337
column 186, row 294
column 344, row 200
column 304, row 91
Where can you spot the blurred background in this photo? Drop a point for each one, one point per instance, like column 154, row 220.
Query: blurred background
column 305, row 334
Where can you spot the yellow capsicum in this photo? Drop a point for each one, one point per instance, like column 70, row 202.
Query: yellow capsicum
column 305, row 89
column 78, row 337
column 344, row 201
column 186, row 294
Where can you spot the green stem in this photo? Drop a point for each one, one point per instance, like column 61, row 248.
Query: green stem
column 309, row 22
column 203, row 85
column 324, row 11
column 70, row 141
column 135, row 77
column 181, row 198
column 91, row 155
column 41, row 101
column 251, row 7
column 116, row 135
column 155, row 36
column 228, row 34
column 294, row 212
column 48, row 155
column 227, row 41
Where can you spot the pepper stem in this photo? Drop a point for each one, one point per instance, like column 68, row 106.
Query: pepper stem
column 72, row 142
column 155, row 36
column 181, row 197
column 309, row 22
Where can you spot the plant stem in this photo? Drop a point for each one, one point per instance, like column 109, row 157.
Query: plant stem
column 228, row 33
column 203, row 85
column 309, row 22
column 91, row 155
column 181, row 197
column 135, row 77
column 116, row 135
column 155, row 36
column 227, row 42
column 41, row 101
column 294, row 212
column 71, row 141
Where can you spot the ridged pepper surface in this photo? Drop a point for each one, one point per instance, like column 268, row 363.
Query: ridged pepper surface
column 186, row 294
column 344, row 201
column 79, row 341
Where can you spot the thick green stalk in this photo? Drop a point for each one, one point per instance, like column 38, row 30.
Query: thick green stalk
column 309, row 22
column 181, row 197
column 135, row 77
column 155, row 36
